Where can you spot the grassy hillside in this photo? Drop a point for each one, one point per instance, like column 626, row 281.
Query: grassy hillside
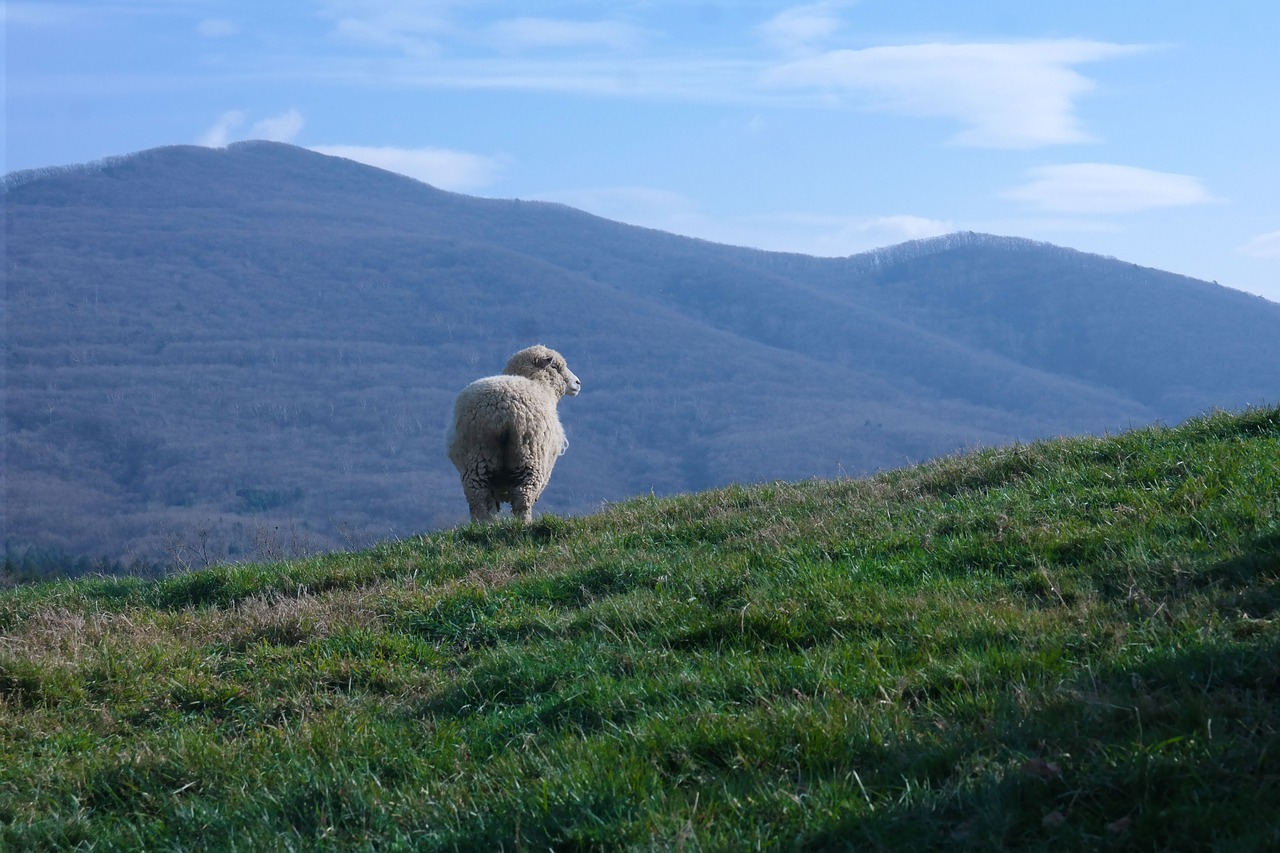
column 1071, row 644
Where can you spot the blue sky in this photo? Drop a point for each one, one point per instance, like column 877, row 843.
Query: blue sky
column 1147, row 130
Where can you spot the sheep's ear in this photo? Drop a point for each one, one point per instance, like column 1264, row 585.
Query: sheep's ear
column 542, row 361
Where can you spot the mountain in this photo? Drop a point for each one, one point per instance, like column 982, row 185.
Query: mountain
column 220, row 352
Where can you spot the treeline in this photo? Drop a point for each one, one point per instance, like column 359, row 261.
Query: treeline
column 32, row 564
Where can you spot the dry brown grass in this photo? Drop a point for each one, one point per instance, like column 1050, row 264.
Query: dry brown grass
column 64, row 637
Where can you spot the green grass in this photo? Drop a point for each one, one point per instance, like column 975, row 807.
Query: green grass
column 1069, row 645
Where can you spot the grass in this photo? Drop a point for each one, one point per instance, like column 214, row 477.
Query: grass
column 1071, row 644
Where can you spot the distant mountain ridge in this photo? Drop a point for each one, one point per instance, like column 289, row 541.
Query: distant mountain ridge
column 256, row 348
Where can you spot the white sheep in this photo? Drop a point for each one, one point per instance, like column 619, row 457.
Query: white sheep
column 506, row 434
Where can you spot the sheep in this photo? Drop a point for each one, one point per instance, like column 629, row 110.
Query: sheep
column 505, row 434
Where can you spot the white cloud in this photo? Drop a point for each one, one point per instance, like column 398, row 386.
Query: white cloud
column 221, row 132
column 1015, row 95
column 523, row 33
column 410, row 28
column 422, row 29
column 1262, row 246
column 217, row 28
column 806, row 233
column 227, row 129
column 1102, row 188
column 801, row 27
column 885, row 230
column 837, row 236
column 451, row 170
column 373, row 33
column 281, row 128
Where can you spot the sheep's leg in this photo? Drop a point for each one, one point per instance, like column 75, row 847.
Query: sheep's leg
column 483, row 509
column 528, row 489
column 481, row 501
column 522, row 506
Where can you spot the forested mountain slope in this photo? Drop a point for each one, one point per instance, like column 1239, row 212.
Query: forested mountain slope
column 214, row 351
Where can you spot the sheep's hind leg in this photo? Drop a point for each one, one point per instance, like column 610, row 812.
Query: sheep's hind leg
column 482, row 503
column 522, row 506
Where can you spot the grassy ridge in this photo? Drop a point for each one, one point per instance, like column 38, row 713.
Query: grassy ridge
column 1069, row 644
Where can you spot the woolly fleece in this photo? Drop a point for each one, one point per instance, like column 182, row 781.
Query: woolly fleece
column 506, row 433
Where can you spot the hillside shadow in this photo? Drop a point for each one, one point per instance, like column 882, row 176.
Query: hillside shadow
column 1181, row 751
column 1178, row 753
column 508, row 532
column 1261, row 556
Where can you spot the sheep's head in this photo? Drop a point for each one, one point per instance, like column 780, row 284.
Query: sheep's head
column 544, row 365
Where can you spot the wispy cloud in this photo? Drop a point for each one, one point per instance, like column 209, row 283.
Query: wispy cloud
column 427, row 29
column 1000, row 94
column 448, row 44
column 538, row 33
column 806, row 233
column 1011, row 95
column 451, row 170
column 837, row 236
column 413, row 29
column 1102, row 188
column 222, row 130
column 1262, row 246
column 802, row 28
column 282, row 128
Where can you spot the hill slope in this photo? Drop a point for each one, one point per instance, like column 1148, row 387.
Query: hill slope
column 209, row 351
column 1063, row 645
